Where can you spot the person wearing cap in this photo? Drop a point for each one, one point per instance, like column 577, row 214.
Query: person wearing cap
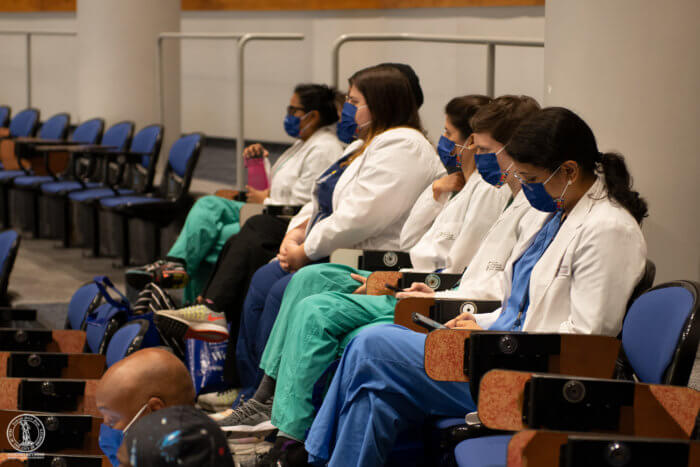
column 146, row 381
column 179, row 436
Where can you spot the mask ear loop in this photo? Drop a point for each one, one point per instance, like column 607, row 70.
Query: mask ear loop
column 136, row 417
column 364, row 124
column 560, row 201
column 304, row 127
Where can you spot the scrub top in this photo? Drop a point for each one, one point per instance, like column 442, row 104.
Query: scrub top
column 513, row 316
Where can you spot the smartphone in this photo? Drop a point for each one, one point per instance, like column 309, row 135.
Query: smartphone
column 426, row 322
column 392, row 287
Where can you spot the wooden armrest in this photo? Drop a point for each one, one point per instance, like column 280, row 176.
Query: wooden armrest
column 554, row 449
column 227, row 194
column 70, row 147
column 573, row 354
column 440, row 310
column 376, row 282
column 70, row 433
column 512, row 400
column 444, row 355
column 21, row 394
column 42, row 340
column 51, row 365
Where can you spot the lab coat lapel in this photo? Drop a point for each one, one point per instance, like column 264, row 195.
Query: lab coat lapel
column 548, row 266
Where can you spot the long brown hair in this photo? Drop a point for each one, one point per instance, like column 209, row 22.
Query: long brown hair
column 390, row 100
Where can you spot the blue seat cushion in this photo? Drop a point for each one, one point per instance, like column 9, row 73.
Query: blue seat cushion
column 487, row 451
column 123, row 200
column 9, row 174
column 97, row 193
column 57, row 187
column 32, row 180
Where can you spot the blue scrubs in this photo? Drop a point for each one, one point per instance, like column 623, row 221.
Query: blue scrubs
column 266, row 290
column 381, row 387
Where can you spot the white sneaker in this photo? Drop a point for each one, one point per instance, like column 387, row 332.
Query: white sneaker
column 193, row 322
column 216, row 401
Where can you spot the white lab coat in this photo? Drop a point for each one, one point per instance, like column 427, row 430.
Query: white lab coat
column 484, row 278
column 458, row 225
column 307, row 210
column 374, row 195
column 293, row 174
column 585, row 278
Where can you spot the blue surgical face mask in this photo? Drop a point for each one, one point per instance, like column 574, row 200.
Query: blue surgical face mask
column 452, row 162
column 490, row 171
column 292, row 125
column 110, row 438
column 346, row 129
column 539, row 198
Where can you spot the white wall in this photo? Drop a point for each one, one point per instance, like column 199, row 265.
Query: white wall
column 273, row 68
column 631, row 68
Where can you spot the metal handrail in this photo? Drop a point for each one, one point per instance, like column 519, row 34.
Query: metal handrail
column 490, row 42
column 28, row 57
column 242, row 39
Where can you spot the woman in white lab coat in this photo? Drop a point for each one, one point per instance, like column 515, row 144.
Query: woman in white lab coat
column 575, row 274
column 310, row 119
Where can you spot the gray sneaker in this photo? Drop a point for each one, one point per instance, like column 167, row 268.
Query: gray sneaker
column 250, row 417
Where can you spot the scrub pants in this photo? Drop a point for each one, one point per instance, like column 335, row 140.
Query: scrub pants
column 306, row 341
column 211, row 221
column 379, row 390
column 262, row 306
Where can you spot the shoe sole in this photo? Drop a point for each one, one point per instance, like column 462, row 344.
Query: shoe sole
column 260, row 427
column 180, row 329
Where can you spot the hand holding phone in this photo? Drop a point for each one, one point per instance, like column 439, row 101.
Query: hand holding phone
column 426, row 322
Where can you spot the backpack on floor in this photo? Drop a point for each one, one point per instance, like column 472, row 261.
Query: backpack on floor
column 111, row 315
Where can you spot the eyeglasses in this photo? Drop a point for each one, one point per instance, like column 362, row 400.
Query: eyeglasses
column 291, row 110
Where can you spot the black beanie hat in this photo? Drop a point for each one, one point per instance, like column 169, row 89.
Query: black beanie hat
column 413, row 80
column 179, row 436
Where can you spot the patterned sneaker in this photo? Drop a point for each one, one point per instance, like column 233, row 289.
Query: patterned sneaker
column 165, row 273
column 192, row 322
column 217, row 401
column 250, row 417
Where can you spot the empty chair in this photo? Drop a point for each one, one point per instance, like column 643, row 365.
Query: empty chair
column 83, row 302
column 23, row 193
column 660, row 337
column 24, row 123
column 127, row 340
column 9, row 246
column 53, row 205
column 135, row 175
column 153, row 211
column 55, row 128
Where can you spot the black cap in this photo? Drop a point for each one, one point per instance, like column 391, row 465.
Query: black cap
column 413, row 79
column 177, row 436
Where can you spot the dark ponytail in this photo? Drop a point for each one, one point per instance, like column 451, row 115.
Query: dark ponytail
column 555, row 135
column 619, row 184
column 321, row 98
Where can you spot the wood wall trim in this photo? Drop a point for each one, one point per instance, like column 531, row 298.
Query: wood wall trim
column 32, row 6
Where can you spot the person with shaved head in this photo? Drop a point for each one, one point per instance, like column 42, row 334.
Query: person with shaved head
column 144, row 382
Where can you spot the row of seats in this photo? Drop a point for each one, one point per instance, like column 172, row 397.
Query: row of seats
column 95, row 188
